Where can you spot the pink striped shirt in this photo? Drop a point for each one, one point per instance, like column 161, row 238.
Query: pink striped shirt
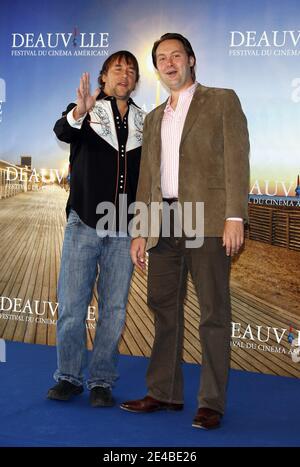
column 171, row 131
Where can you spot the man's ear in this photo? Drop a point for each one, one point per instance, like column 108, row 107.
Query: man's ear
column 191, row 61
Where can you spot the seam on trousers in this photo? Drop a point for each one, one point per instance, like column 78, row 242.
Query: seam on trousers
column 177, row 325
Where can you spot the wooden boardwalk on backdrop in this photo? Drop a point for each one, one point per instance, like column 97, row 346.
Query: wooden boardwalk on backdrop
column 32, row 227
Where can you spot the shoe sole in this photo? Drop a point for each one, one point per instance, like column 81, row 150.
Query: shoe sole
column 205, row 427
column 65, row 398
column 151, row 411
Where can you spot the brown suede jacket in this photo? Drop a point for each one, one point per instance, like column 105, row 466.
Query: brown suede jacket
column 214, row 159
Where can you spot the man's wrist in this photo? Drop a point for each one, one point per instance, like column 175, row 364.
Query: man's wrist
column 77, row 115
column 73, row 122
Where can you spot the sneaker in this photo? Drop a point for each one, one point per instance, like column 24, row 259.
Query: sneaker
column 64, row 390
column 101, row 397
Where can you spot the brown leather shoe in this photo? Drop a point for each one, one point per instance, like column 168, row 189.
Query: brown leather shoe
column 207, row 418
column 149, row 404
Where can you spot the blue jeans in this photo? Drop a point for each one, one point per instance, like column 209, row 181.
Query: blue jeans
column 83, row 251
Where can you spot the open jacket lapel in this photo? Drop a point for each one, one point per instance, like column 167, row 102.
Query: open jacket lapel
column 156, row 135
column 194, row 110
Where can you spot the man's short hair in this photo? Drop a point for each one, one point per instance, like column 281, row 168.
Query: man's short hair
column 186, row 44
column 118, row 56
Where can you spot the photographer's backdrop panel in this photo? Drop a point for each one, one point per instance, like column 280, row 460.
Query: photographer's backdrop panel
column 251, row 46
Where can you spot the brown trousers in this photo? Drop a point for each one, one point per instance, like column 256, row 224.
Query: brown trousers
column 169, row 263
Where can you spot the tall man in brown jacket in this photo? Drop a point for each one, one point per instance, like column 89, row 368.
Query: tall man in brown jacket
column 195, row 149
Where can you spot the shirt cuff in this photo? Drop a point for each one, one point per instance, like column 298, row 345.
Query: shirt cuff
column 75, row 123
column 235, row 219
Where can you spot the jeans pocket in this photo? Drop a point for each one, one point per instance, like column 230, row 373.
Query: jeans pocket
column 73, row 218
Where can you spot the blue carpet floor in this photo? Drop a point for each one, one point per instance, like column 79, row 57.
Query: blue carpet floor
column 262, row 410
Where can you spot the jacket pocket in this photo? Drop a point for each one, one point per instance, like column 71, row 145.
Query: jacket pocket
column 73, row 218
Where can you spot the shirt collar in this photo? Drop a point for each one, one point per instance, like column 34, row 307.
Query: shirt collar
column 190, row 90
column 182, row 95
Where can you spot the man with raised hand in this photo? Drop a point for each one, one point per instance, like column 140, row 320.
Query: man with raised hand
column 105, row 134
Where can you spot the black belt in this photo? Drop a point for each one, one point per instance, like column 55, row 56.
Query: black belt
column 170, row 200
